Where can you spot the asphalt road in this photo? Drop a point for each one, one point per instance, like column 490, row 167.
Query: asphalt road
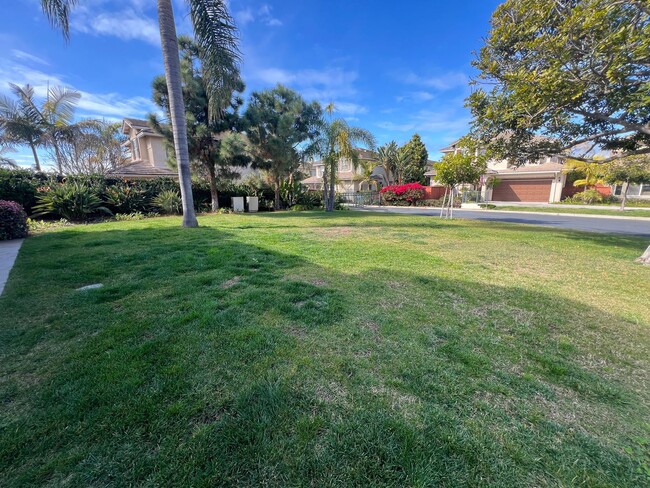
column 625, row 226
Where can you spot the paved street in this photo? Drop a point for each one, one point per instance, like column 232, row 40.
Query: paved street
column 603, row 224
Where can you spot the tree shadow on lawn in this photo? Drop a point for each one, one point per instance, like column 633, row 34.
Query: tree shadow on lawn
column 206, row 361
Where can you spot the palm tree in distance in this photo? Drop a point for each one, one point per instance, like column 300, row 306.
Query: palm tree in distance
column 25, row 122
column 336, row 142
column 216, row 36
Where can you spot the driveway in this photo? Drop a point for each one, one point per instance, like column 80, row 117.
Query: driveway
column 603, row 224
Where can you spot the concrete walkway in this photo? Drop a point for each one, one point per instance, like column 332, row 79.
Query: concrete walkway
column 8, row 252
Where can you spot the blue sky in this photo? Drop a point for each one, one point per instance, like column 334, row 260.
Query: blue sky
column 394, row 68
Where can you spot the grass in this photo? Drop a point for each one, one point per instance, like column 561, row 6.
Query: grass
column 325, row 350
column 588, row 211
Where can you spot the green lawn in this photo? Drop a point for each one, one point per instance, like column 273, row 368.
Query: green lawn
column 587, row 211
column 304, row 349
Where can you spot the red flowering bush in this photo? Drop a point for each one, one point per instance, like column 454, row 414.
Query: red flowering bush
column 399, row 194
column 13, row 221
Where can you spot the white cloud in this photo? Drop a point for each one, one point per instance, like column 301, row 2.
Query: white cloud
column 442, row 82
column 24, row 56
column 126, row 25
column 416, row 96
column 323, row 85
column 451, row 122
column 110, row 106
column 264, row 15
column 348, row 108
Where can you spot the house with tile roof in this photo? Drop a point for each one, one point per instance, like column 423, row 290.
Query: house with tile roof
column 535, row 181
column 147, row 152
column 348, row 179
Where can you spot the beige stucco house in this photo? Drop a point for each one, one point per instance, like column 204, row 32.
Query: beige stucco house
column 147, row 152
column 539, row 181
column 348, row 179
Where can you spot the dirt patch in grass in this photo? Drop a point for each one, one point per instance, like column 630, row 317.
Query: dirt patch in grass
column 230, row 283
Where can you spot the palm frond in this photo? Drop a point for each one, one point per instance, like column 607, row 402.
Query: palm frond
column 217, row 37
column 60, row 105
column 58, row 13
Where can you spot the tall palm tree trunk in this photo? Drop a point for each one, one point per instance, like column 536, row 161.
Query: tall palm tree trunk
column 172, row 63
column 37, row 162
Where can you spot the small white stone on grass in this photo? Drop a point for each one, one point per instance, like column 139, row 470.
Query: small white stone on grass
column 90, row 287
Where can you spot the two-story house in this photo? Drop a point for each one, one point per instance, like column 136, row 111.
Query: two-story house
column 348, row 179
column 540, row 181
column 147, row 152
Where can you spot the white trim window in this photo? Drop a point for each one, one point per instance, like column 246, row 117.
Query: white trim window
column 345, row 165
column 634, row 190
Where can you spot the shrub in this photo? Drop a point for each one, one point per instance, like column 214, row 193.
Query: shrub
column 20, row 186
column 74, row 201
column 588, row 197
column 130, row 216
column 312, row 199
column 124, row 198
column 409, row 193
column 13, row 221
column 168, row 202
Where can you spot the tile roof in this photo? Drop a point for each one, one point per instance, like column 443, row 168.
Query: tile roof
column 142, row 169
column 312, row 180
column 533, row 168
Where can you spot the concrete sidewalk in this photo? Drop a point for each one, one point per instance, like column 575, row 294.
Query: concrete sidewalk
column 8, row 252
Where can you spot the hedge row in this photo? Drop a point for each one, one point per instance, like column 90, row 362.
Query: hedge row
column 25, row 187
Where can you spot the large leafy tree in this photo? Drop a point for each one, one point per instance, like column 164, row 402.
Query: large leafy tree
column 216, row 36
column 215, row 145
column 25, row 121
column 280, row 126
column 576, row 71
column 419, row 157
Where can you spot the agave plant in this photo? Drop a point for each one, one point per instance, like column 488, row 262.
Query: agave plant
column 75, row 202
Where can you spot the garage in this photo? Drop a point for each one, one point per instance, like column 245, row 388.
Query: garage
column 538, row 190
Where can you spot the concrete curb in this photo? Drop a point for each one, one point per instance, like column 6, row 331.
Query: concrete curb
column 554, row 214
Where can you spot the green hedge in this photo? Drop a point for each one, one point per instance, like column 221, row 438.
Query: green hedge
column 118, row 195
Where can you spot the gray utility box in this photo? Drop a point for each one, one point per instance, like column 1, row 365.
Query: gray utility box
column 237, row 204
column 252, row 203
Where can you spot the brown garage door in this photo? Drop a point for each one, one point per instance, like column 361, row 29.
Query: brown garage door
column 522, row 191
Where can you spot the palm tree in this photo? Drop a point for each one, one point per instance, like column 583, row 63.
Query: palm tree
column 338, row 141
column 401, row 163
column 216, row 36
column 367, row 174
column 24, row 122
column 6, row 161
column 386, row 156
column 592, row 172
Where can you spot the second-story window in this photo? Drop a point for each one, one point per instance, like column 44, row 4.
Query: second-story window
column 344, row 165
column 312, row 172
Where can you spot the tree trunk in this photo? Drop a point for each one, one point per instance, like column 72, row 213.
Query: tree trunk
column 645, row 257
column 626, row 185
column 57, row 155
column 176, row 107
column 37, row 162
column 276, row 187
column 214, row 193
column 330, row 203
column 325, row 188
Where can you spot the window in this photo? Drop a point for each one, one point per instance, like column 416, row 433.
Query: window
column 344, row 165
column 312, row 172
column 319, row 172
column 645, row 189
